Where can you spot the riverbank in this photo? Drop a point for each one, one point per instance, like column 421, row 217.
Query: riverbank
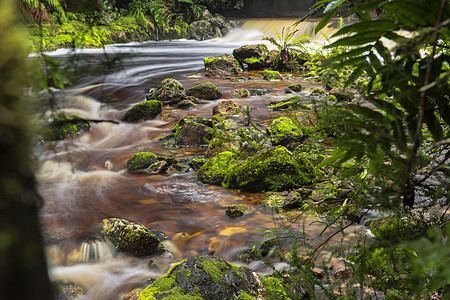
column 77, row 32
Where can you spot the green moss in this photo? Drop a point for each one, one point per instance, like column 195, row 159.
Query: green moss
column 141, row 160
column 274, row 288
column 143, row 111
column 296, row 87
column 271, row 75
column 212, row 270
column 68, row 127
column 205, row 90
column 276, row 169
column 217, row 169
column 244, row 296
column 284, row 129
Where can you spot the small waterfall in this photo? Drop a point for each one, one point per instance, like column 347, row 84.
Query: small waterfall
column 303, row 28
column 96, row 250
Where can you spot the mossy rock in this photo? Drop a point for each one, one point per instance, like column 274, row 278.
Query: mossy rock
column 141, row 161
column 276, row 169
column 130, row 237
column 224, row 66
column 283, row 130
column 238, row 210
column 202, row 30
column 186, row 104
column 227, row 107
column 209, row 277
column 192, row 132
column 143, row 111
column 293, row 103
column 252, row 55
column 296, row 87
column 197, row 163
column 169, row 91
column 403, row 227
column 68, row 127
column 240, row 93
column 219, row 169
column 206, row 90
column 272, row 75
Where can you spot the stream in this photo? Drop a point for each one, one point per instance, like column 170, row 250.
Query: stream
column 79, row 190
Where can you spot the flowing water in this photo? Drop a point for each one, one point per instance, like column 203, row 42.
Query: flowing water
column 83, row 181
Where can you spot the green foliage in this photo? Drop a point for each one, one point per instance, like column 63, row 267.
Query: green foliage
column 288, row 47
column 407, row 124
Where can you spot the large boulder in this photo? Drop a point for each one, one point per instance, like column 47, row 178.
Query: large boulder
column 252, row 55
column 202, row 30
column 130, row 237
column 141, row 161
column 146, row 110
column 224, row 66
column 205, row 90
column 275, row 169
column 68, row 127
column 169, row 91
column 209, row 277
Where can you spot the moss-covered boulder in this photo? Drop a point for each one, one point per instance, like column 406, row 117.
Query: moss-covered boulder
column 202, row 30
column 405, row 226
column 237, row 210
column 276, row 169
column 283, row 131
column 186, row 104
column 226, row 108
column 240, row 93
column 209, row 277
column 219, row 169
column 130, row 237
column 141, row 161
column 272, row 75
column 206, row 90
column 146, row 110
column 224, row 66
column 169, row 91
column 296, row 87
column 252, row 55
column 68, row 127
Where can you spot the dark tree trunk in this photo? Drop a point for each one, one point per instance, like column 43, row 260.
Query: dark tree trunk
column 23, row 270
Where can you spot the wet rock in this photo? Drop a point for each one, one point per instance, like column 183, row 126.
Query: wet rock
column 66, row 290
column 342, row 95
column 293, row 103
column 192, row 132
column 219, row 169
column 197, row 162
column 130, row 237
column 158, row 167
column 202, row 30
column 206, row 90
column 272, row 75
column 141, row 161
column 169, row 91
column 252, row 55
column 283, row 131
column 209, row 277
column 186, row 104
column 224, row 66
column 68, row 127
column 221, row 23
column 276, row 169
column 146, row 110
column 227, row 107
column 295, row 87
column 240, row 93
column 237, row 210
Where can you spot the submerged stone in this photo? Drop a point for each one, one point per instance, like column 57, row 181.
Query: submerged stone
column 130, row 237
column 206, row 90
column 146, row 110
column 238, row 210
column 209, row 277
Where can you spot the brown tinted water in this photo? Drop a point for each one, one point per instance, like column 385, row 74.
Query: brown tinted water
column 79, row 191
